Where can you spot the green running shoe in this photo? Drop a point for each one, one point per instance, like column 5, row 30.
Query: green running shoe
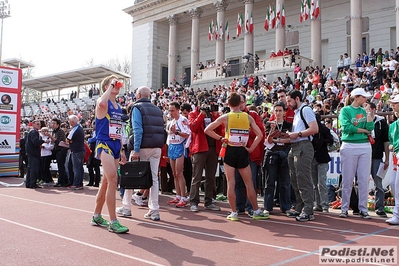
column 261, row 216
column 117, row 228
column 99, row 221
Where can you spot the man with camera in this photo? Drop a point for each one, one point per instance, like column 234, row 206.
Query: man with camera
column 204, row 152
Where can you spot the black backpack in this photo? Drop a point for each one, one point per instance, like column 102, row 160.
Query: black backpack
column 318, row 138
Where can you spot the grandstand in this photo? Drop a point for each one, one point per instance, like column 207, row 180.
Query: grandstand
column 82, row 104
column 70, row 79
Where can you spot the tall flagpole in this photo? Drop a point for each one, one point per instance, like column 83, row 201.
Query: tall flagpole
column 4, row 13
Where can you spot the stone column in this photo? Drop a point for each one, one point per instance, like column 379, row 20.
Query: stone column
column 195, row 41
column 248, row 37
column 280, row 31
column 315, row 32
column 397, row 22
column 172, row 55
column 220, row 6
column 356, row 29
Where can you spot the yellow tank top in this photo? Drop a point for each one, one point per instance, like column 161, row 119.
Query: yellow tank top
column 238, row 127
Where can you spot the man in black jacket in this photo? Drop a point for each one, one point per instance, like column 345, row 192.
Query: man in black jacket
column 379, row 148
column 33, row 146
column 59, row 152
column 319, row 170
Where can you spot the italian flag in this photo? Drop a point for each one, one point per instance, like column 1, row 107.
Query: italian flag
column 216, row 31
column 247, row 23
column 307, row 9
column 210, row 32
column 312, row 10
column 278, row 15
column 251, row 24
column 301, row 13
column 266, row 25
column 220, row 31
column 273, row 16
column 317, row 10
column 283, row 17
column 226, row 31
column 239, row 25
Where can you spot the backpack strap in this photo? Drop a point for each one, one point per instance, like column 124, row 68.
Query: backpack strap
column 303, row 119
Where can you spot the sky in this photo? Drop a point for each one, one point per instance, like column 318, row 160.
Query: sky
column 58, row 36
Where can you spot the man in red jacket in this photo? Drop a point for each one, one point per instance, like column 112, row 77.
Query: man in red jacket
column 289, row 113
column 205, row 153
column 256, row 158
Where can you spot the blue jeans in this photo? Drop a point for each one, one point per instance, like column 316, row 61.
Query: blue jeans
column 379, row 190
column 77, row 164
column 277, row 170
column 240, row 187
column 331, row 193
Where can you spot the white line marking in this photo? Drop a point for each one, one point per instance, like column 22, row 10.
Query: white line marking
column 82, row 243
column 156, row 224
column 211, row 235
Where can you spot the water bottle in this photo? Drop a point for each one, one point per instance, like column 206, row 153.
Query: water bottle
column 222, row 152
column 371, row 139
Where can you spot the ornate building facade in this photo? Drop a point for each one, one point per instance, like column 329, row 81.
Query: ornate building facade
column 170, row 37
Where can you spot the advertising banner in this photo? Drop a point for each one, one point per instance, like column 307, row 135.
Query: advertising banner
column 334, row 172
column 10, row 117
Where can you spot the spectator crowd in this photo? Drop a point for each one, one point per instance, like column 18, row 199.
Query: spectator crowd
column 359, row 91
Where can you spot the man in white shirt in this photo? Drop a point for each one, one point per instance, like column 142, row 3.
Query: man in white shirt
column 347, row 61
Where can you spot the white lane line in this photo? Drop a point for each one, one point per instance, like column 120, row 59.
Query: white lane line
column 82, row 243
column 159, row 225
column 196, row 232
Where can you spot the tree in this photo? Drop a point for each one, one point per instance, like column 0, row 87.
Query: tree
column 29, row 95
column 124, row 67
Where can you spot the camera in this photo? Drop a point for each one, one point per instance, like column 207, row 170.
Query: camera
column 209, row 108
column 214, row 108
column 247, row 56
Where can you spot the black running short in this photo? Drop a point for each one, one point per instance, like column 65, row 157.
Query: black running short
column 237, row 157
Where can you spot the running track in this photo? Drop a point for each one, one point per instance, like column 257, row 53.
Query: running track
column 51, row 226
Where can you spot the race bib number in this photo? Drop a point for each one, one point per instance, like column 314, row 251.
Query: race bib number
column 115, row 131
column 175, row 139
column 238, row 137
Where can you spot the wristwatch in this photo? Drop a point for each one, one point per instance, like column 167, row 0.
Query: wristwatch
column 300, row 134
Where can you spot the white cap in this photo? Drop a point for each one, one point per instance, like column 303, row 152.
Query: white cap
column 361, row 92
column 394, row 99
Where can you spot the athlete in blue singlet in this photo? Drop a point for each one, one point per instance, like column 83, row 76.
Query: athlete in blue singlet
column 109, row 132
column 108, row 150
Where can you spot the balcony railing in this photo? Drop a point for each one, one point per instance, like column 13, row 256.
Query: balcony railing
column 261, row 67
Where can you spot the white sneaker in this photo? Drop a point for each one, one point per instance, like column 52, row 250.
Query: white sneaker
column 394, row 220
column 153, row 215
column 124, row 212
column 138, row 199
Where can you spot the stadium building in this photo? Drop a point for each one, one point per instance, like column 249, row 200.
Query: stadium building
column 171, row 37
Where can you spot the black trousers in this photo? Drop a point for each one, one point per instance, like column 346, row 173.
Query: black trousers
column 32, row 171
